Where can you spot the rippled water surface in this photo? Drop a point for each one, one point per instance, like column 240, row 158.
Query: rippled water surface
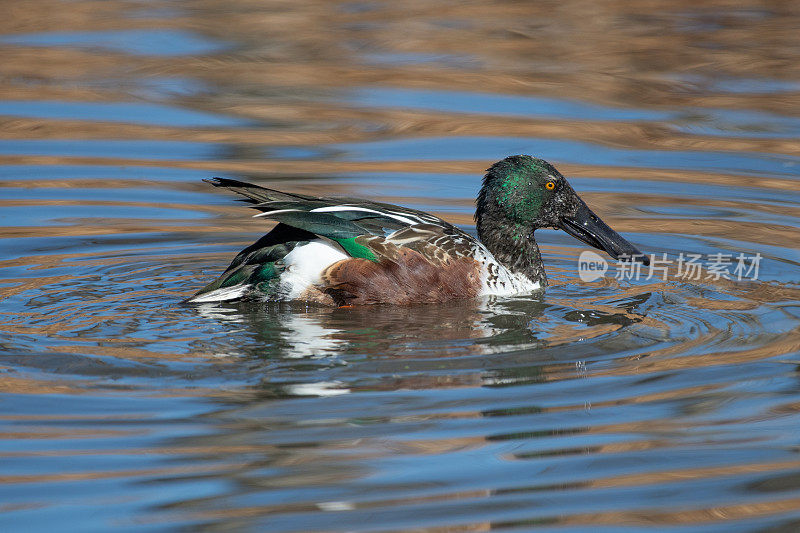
column 613, row 405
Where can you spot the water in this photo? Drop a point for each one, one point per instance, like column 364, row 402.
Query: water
column 605, row 406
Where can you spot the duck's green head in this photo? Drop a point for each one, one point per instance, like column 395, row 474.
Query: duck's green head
column 522, row 193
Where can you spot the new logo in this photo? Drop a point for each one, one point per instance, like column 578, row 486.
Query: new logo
column 591, row 266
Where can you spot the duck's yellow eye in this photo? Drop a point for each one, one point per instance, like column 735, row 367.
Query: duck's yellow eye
column 550, row 185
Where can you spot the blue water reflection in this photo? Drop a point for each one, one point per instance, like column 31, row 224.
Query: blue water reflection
column 129, row 112
column 143, row 42
column 457, row 147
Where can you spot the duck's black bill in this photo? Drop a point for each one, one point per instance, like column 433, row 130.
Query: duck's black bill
column 587, row 227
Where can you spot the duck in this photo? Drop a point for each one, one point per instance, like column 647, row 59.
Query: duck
column 348, row 251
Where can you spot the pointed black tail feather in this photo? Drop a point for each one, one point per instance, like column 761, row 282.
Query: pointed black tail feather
column 256, row 194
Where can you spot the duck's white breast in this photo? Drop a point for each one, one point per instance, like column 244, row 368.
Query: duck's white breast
column 497, row 280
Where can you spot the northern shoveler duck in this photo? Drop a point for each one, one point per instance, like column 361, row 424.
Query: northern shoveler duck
column 345, row 251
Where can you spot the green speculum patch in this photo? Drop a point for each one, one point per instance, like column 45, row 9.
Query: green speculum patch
column 355, row 249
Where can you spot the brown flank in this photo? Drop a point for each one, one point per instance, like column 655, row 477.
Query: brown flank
column 407, row 278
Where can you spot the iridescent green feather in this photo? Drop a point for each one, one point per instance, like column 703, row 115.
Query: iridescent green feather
column 355, row 249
